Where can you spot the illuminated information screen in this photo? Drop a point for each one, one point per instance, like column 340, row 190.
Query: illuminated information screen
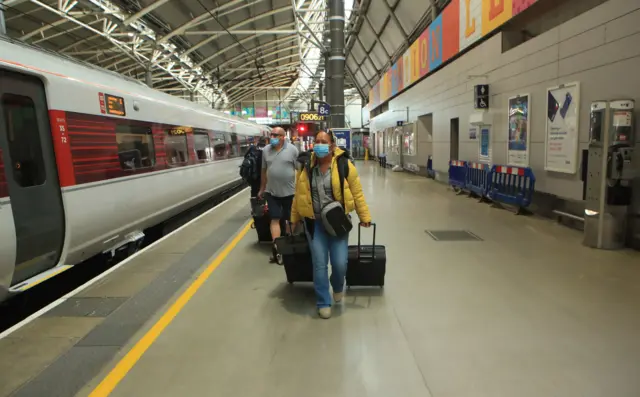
column 308, row 116
column 115, row 105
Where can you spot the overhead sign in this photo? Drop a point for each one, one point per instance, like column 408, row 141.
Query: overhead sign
column 399, row 123
column 324, row 109
column 481, row 96
column 309, row 116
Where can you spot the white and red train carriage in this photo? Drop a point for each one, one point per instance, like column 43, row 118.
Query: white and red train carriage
column 89, row 159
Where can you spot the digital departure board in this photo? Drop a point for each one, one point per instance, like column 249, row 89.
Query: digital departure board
column 308, row 116
column 115, row 105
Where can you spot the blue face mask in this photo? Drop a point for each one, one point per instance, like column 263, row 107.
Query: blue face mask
column 275, row 141
column 321, row 149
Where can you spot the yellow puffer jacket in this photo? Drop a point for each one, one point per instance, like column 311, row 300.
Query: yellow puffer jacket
column 303, row 206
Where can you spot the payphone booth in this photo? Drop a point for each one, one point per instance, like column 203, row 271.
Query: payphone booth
column 609, row 173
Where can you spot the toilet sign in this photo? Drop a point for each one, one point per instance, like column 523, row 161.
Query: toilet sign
column 481, row 96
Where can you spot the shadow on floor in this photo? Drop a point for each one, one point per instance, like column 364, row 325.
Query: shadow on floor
column 299, row 299
column 296, row 298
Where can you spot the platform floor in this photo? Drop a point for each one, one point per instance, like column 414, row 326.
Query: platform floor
column 526, row 311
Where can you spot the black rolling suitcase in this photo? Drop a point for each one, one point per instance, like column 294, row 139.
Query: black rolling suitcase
column 367, row 263
column 295, row 256
column 261, row 220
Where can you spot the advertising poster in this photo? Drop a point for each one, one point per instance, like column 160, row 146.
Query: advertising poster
column 485, row 144
column 473, row 133
column 343, row 138
column 518, row 144
column 561, row 143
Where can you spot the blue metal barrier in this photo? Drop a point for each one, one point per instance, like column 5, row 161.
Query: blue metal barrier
column 457, row 173
column 477, row 180
column 511, row 185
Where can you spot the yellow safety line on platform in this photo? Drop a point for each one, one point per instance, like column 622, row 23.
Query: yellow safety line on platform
column 118, row 373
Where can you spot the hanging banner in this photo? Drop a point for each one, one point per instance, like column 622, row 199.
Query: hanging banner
column 561, row 143
column 518, row 144
column 484, row 155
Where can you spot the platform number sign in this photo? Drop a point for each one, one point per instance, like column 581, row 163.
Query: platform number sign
column 324, row 109
column 481, row 96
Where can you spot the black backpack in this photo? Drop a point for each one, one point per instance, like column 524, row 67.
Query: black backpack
column 250, row 168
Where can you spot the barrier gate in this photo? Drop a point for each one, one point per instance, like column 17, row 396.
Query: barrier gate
column 477, row 179
column 457, row 174
column 512, row 185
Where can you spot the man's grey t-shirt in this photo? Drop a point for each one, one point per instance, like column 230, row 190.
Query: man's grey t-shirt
column 281, row 169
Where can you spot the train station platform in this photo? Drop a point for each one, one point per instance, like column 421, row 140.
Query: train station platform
column 494, row 305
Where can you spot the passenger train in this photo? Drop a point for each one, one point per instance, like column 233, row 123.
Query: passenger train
column 89, row 159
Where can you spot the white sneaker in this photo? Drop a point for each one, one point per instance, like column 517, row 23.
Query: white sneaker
column 337, row 296
column 324, row 312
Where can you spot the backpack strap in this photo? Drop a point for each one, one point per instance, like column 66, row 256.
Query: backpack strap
column 343, row 173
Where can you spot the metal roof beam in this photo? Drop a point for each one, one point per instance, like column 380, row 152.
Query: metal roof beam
column 266, row 56
column 229, row 47
column 239, row 24
column 266, row 64
column 237, row 32
column 252, row 52
column 144, row 12
column 203, row 18
column 241, row 96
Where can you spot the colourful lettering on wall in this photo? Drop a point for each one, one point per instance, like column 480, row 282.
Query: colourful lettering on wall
column 395, row 87
column 521, row 5
column 451, row 41
column 415, row 60
column 462, row 23
column 435, row 43
column 424, row 53
column 406, row 68
column 494, row 14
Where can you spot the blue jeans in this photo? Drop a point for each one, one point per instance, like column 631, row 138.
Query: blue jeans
column 324, row 246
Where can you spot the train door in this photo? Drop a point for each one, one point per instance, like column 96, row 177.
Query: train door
column 31, row 173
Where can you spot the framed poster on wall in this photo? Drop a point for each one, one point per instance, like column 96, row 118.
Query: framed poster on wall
column 561, row 141
column 519, row 122
column 484, row 144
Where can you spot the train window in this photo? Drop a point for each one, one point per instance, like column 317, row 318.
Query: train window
column 175, row 144
column 234, row 145
column 220, row 146
column 23, row 133
column 202, row 144
column 244, row 144
column 135, row 147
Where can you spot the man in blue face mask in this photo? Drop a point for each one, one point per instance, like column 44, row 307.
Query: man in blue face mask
column 278, row 182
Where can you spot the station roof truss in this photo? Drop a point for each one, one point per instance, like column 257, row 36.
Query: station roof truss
column 222, row 52
column 381, row 32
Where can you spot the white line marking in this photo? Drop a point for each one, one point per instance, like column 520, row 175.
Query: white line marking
column 104, row 274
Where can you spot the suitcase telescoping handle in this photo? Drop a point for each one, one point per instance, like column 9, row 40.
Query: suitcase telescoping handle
column 373, row 253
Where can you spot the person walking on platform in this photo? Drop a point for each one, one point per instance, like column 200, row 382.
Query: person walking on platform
column 278, row 180
column 328, row 189
column 250, row 170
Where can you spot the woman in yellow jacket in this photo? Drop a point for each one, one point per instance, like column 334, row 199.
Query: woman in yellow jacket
column 307, row 206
